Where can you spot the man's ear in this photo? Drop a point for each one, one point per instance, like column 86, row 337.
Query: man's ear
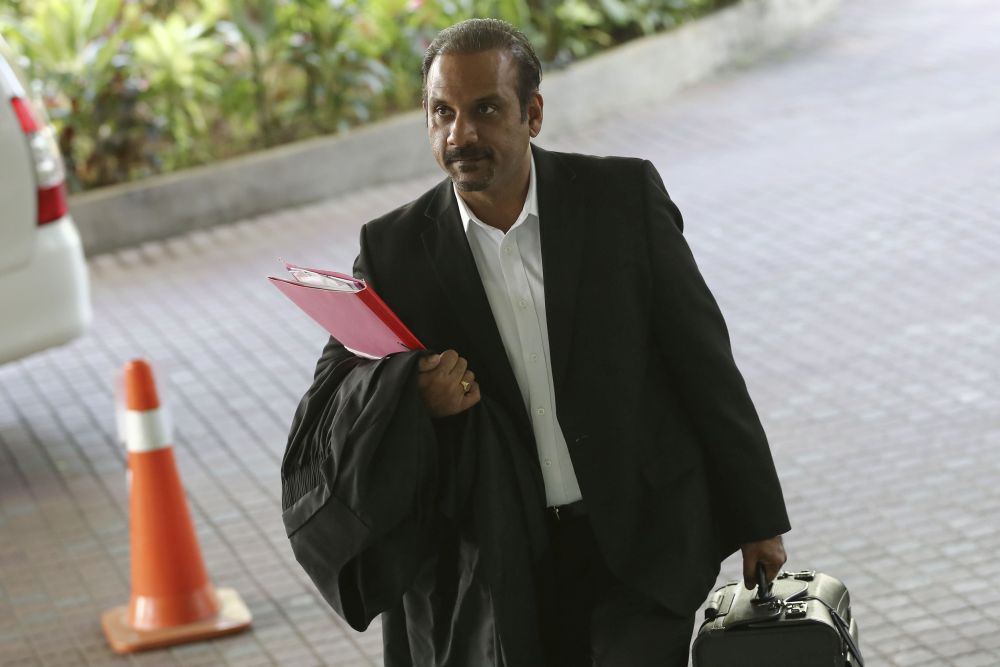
column 423, row 105
column 535, row 113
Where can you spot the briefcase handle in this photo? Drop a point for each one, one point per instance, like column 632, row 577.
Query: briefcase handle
column 764, row 594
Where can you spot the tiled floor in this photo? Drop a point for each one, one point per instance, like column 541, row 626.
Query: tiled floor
column 843, row 199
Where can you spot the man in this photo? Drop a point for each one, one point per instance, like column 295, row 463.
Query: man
column 560, row 287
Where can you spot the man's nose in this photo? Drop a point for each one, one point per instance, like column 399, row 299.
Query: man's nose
column 463, row 131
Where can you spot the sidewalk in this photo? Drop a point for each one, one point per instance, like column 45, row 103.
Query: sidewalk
column 842, row 198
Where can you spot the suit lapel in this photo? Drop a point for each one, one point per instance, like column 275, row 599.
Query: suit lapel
column 562, row 230
column 562, row 224
column 448, row 250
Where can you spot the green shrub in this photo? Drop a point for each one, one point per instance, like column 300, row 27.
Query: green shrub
column 137, row 87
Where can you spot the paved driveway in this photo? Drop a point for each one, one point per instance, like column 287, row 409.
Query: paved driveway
column 842, row 197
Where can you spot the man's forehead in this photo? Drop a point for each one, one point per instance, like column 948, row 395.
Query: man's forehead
column 471, row 75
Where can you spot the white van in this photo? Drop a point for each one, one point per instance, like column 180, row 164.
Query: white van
column 44, row 288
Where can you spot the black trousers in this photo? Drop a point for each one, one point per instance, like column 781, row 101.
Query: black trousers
column 590, row 619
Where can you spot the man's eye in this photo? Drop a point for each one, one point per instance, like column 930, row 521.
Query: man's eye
column 487, row 108
column 441, row 111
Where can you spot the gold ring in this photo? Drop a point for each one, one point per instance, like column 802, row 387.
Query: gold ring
column 466, row 386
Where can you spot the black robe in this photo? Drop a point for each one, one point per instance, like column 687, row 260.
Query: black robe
column 437, row 526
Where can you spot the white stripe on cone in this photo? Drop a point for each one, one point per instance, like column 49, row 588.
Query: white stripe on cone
column 145, row 430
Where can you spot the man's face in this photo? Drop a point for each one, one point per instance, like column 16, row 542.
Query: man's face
column 474, row 120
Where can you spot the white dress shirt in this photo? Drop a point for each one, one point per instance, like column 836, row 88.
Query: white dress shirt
column 510, row 267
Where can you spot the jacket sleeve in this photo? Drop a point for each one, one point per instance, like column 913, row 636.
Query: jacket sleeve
column 694, row 342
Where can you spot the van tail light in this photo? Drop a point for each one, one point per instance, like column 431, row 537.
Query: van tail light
column 28, row 123
column 50, row 177
column 52, row 203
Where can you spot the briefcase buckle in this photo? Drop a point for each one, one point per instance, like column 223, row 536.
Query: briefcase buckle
column 795, row 610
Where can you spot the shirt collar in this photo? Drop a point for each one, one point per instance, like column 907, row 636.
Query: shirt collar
column 530, row 206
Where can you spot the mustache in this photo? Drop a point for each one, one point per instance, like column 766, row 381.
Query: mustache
column 467, row 153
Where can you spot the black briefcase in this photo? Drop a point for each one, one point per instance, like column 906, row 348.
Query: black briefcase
column 802, row 620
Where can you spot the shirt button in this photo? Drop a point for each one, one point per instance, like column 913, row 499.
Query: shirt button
column 508, row 250
column 540, row 411
column 523, row 303
column 547, row 462
column 533, row 357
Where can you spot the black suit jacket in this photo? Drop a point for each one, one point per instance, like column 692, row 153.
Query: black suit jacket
column 670, row 455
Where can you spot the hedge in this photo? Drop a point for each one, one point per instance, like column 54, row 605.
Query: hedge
column 141, row 87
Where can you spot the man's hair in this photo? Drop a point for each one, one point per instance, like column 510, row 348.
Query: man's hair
column 478, row 35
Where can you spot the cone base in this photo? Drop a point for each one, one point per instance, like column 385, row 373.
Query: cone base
column 233, row 617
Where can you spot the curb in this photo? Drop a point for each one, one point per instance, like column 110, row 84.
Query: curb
column 638, row 72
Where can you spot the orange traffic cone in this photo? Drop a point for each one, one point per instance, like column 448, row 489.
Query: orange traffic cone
column 173, row 600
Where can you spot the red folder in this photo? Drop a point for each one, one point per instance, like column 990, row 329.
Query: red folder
column 349, row 310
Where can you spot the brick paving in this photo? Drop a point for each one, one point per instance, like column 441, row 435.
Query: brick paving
column 842, row 196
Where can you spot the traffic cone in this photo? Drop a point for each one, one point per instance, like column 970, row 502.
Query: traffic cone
column 173, row 601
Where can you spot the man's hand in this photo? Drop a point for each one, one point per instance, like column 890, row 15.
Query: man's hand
column 441, row 386
column 769, row 552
